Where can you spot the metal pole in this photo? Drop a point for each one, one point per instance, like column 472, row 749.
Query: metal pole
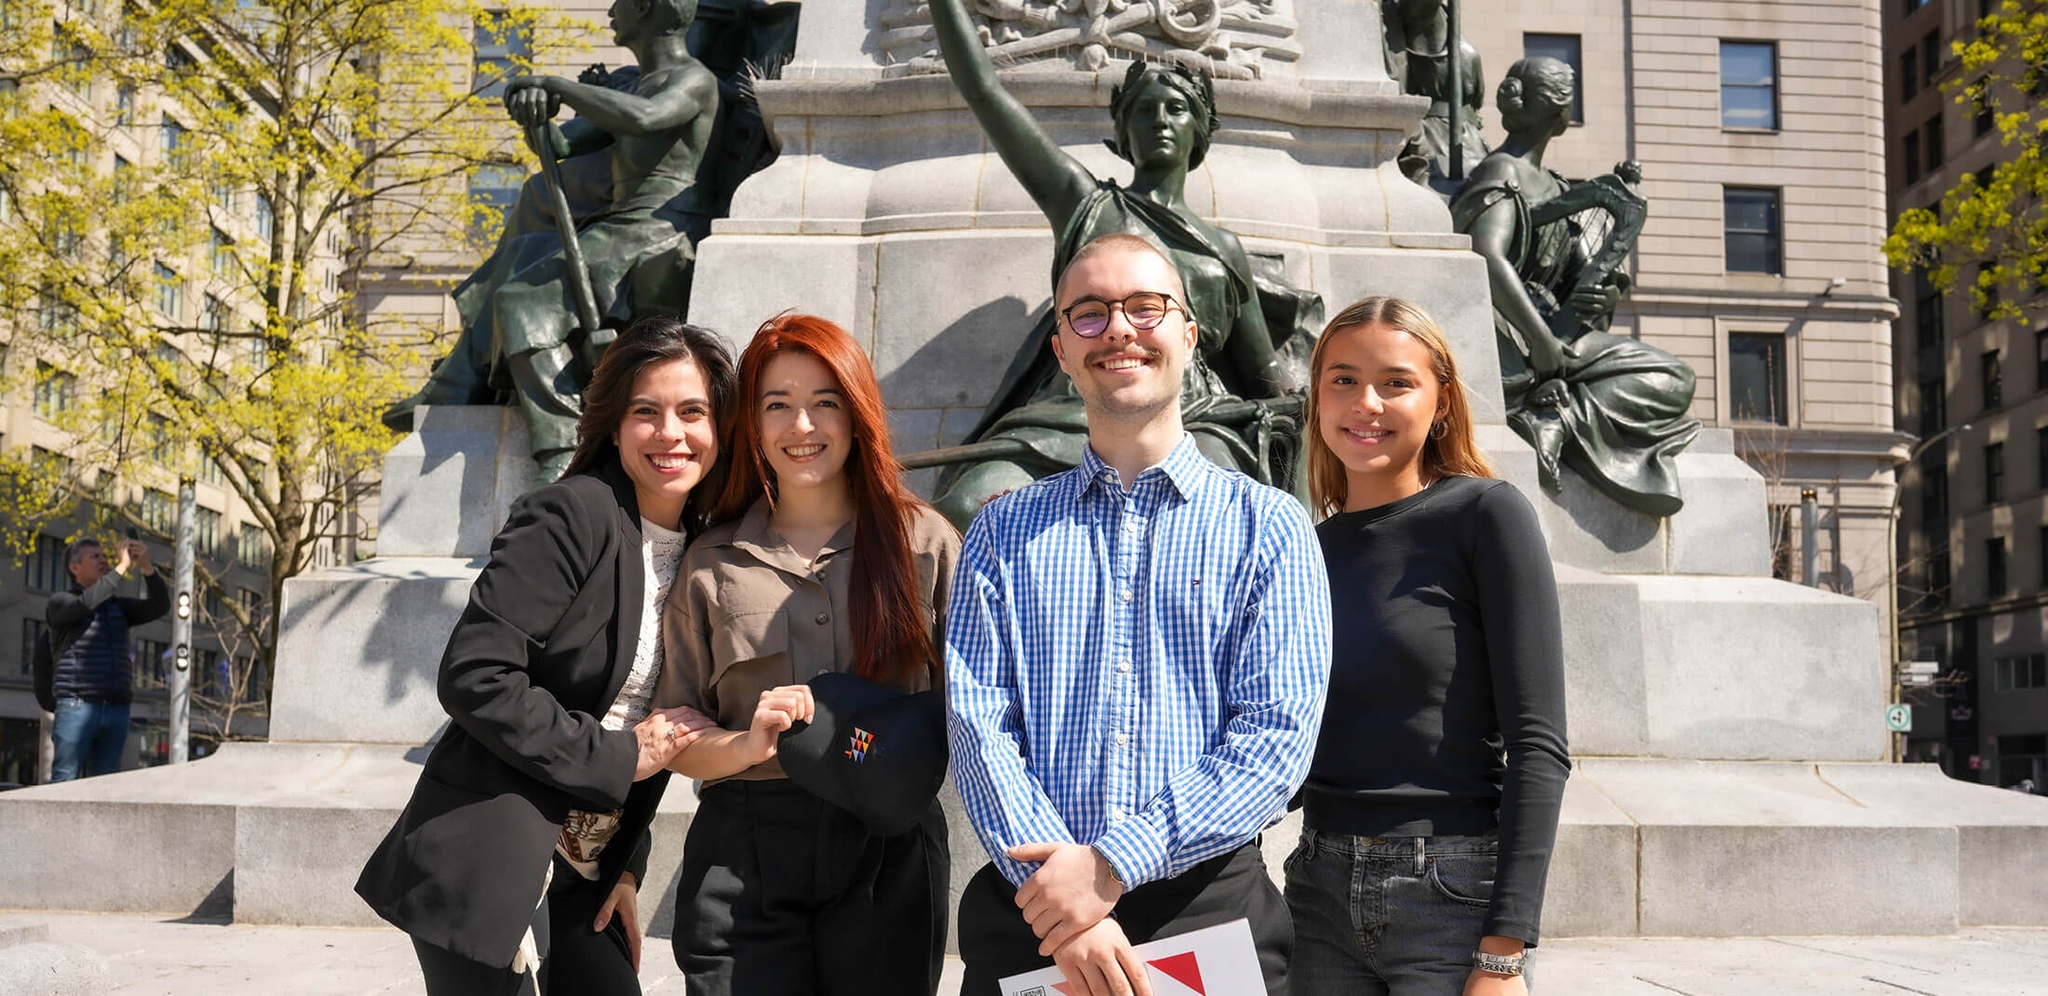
column 181, row 628
column 1809, row 538
column 1457, row 95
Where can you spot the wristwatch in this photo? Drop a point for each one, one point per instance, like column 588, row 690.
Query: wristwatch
column 1497, row 964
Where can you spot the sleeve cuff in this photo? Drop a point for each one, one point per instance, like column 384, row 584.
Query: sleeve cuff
column 1136, row 850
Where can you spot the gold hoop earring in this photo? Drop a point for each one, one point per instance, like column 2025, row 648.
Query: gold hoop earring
column 1439, row 429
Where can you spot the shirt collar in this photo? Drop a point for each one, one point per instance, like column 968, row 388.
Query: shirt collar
column 1184, row 467
column 756, row 536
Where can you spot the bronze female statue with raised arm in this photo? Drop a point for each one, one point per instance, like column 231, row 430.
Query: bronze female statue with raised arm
column 1239, row 398
column 1611, row 408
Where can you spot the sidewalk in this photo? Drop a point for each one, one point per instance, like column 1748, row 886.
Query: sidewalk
column 149, row 956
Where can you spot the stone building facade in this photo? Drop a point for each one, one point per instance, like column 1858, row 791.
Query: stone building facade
column 1974, row 526
column 1757, row 128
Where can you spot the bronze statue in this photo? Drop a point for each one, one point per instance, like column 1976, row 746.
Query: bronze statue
column 1611, row 408
column 1241, row 394
column 1418, row 50
column 628, row 166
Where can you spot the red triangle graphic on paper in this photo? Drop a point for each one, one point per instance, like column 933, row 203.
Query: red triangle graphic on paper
column 1064, row 988
column 1182, row 968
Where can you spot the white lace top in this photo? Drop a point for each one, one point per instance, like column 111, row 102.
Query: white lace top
column 585, row 835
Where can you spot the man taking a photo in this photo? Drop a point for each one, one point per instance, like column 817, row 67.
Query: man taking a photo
column 95, row 671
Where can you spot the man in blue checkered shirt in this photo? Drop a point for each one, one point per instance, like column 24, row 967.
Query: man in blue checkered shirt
column 1136, row 655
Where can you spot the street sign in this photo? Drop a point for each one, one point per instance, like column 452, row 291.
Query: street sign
column 1917, row 674
column 1899, row 718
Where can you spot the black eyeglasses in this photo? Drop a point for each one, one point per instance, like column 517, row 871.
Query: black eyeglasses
column 1089, row 317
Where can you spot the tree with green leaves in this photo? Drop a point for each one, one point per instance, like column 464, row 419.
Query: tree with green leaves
column 191, row 192
column 1990, row 232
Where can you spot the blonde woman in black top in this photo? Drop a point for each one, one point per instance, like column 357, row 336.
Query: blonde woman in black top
column 1431, row 807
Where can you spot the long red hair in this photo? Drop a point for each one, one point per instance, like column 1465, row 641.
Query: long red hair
column 891, row 633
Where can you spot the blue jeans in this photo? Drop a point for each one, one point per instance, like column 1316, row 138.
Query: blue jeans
column 87, row 739
column 1387, row 917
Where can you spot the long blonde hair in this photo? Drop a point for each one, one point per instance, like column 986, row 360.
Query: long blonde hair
column 1453, row 454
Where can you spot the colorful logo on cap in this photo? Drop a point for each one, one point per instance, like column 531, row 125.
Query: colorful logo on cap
column 861, row 740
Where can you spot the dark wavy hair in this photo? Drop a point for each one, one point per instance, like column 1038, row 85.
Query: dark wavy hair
column 646, row 343
column 892, row 636
column 1199, row 90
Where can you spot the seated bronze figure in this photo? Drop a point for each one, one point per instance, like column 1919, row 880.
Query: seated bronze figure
column 1609, row 407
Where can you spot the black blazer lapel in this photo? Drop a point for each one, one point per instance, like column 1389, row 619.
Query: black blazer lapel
column 632, row 589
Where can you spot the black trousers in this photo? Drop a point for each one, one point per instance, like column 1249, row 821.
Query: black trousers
column 996, row 942
column 574, row 957
column 784, row 894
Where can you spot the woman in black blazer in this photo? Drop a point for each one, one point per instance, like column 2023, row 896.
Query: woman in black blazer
column 528, row 831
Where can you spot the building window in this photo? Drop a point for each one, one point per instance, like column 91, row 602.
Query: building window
column 2041, row 462
column 2012, row 674
column 1994, row 568
column 1931, row 142
column 1926, row 310
column 1983, row 116
column 1912, row 157
column 1994, row 473
column 152, row 663
column 1930, row 58
column 2041, row 359
column 46, row 569
column 1565, row 49
column 1994, row 385
column 156, row 434
column 1909, row 74
column 266, row 218
column 1933, row 405
column 1937, row 578
column 124, row 106
column 2044, row 555
column 220, row 253
column 494, row 186
column 32, row 629
column 504, row 49
column 170, row 292
column 1934, row 490
column 1749, row 85
column 56, row 391
column 159, row 510
column 206, row 523
column 249, row 547
column 213, row 316
column 1754, row 239
column 173, row 136
column 1756, row 377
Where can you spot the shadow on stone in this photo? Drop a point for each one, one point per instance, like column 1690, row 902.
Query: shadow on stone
column 218, row 906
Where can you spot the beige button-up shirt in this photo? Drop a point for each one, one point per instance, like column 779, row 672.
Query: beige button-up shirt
column 748, row 614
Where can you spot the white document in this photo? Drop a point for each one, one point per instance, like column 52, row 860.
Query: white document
column 1212, row 961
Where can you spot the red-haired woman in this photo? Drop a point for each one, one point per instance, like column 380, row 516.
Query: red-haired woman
column 819, row 559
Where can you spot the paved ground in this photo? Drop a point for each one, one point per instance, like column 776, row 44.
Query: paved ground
column 149, row 955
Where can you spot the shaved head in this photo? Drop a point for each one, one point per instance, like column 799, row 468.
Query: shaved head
column 1121, row 244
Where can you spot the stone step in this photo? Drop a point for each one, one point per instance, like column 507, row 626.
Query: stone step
column 275, row 834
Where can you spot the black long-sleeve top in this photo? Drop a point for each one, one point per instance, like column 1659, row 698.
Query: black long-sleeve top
column 1446, row 706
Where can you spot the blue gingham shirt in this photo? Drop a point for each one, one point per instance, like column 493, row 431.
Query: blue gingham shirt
column 1138, row 669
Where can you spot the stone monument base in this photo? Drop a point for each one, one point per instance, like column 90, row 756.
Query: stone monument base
column 1727, row 781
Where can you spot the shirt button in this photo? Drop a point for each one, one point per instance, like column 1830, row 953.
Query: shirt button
column 1120, row 739
column 1124, row 594
column 1124, row 666
column 824, row 617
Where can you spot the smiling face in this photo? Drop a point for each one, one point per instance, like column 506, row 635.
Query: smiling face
column 1125, row 374
column 806, row 425
column 1376, row 397
column 667, row 441
column 1159, row 127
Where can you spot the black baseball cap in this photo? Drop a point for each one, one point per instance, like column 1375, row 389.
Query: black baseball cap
column 871, row 750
